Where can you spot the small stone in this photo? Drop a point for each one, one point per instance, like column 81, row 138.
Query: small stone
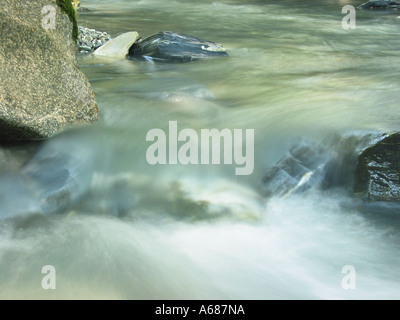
column 119, row 46
column 91, row 38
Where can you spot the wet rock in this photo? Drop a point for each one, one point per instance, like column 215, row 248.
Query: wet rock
column 301, row 169
column 344, row 152
column 167, row 46
column 367, row 166
column 42, row 90
column 323, row 166
column 377, row 176
column 380, row 4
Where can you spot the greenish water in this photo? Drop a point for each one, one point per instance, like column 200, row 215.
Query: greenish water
column 293, row 72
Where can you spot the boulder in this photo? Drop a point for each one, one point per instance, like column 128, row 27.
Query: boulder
column 377, row 176
column 168, row 46
column 42, row 90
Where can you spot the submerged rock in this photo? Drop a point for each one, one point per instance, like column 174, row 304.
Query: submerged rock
column 167, row 46
column 377, row 175
column 302, row 168
column 42, row 90
column 380, row 4
column 139, row 196
column 56, row 178
column 61, row 172
column 16, row 197
column 366, row 166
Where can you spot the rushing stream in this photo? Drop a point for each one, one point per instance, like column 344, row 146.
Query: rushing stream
column 200, row 231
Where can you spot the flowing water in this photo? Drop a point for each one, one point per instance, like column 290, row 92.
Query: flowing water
column 200, row 231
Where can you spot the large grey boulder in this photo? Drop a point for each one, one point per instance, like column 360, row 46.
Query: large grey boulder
column 42, row 89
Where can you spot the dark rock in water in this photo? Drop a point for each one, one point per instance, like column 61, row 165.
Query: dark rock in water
column 167, row 46
column 380, row 4
column 345, row 150
column 299, row 170
column 377, row 176
column 310, row 165
column 367, row 166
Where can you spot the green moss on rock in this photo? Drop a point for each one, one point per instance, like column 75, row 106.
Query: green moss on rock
column 67, row 7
